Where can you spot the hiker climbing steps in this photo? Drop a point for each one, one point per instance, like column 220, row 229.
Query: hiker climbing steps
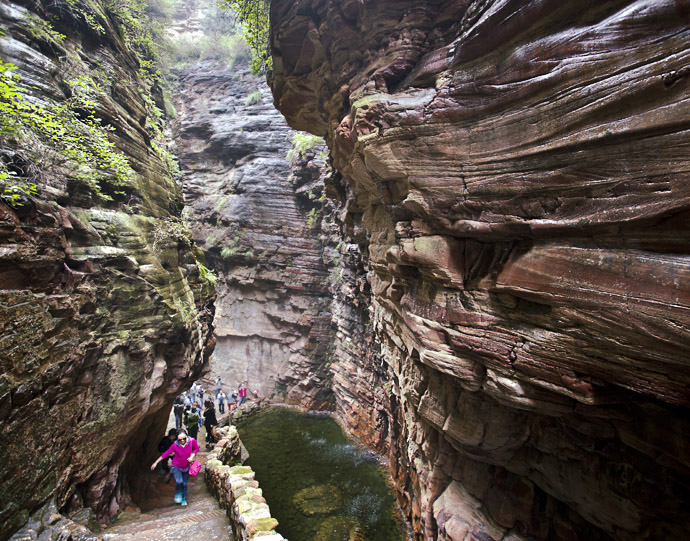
column 161, row 518
column 246, row 511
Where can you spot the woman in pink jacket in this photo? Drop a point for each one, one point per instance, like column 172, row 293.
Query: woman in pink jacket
column 184, row 452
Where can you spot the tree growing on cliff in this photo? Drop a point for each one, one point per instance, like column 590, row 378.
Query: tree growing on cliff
column 254, row 16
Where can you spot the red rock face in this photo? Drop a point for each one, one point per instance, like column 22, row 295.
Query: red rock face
column 520, row 170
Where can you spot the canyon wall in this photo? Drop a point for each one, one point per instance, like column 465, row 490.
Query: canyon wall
column 251, row 215
column 515, row 178
column 104, row 313
column 293, row 313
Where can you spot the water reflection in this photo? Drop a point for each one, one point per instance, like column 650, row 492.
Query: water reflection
column 318, row 484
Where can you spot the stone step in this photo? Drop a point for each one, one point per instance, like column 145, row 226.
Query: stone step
column 210, row 525
column 162, row 519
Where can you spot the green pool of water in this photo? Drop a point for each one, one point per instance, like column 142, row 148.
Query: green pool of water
column 319, row 485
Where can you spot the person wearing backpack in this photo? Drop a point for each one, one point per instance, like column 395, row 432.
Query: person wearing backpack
column 192, row 420
column 163, row 446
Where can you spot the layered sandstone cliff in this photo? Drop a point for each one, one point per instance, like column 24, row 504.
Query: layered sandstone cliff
column 104, row 317
column 517, row 173
column 251, row 216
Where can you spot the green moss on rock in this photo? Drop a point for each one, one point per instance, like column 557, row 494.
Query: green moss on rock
column 318, row 500
column 339, row 528
column 261, row 525
column 241, row 470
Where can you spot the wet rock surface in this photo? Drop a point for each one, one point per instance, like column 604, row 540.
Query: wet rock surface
column 515, row 178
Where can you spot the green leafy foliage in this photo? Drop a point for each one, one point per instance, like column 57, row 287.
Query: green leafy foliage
column 313, row 217
column 140, row 32
column 14, row 189
column 302, row 143
column 225, row 48
column 142, row 26
column 232, row 250
column 234, row 247
column 221, row 39
column 68, row 134
column 88, row 13
column 40, row 141
column 43, row 30
column 254, row 16
column 253, row 99
column 207, row 275
column 228, row 251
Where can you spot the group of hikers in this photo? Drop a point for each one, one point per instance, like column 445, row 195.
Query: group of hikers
column 188, row 405
column 179, row 446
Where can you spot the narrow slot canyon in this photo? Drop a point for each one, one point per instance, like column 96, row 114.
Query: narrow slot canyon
column 459, row 228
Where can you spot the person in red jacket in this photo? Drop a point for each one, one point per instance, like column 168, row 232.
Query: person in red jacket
column 243, row 393
column 184, row 452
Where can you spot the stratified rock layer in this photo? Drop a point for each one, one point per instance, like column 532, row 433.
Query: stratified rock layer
column 272, row 320
column 103, row 315
column 521, row 173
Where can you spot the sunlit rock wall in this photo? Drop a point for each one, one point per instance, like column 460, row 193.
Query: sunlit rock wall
column 520, row 171
column 103, row 316
column 272, row 321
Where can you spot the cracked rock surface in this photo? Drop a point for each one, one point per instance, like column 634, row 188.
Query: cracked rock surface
column 520, row 171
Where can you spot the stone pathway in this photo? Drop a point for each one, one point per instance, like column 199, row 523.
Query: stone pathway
column 161, row 519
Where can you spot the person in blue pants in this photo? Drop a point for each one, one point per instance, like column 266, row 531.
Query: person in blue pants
column 184, row 452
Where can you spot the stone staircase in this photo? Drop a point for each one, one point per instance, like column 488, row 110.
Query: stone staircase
column 161, row 519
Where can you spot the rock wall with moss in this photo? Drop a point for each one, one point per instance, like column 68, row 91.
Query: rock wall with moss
column 105, row 310
column 517, row 176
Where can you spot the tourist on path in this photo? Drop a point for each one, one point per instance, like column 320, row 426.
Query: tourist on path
column 221, row 402
column 184, row 452
column 210, row 422
column 178, row 410
column 219, row 386
column 192, row 419
column 164, row 445
column 233, row 400
column 243, row 393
